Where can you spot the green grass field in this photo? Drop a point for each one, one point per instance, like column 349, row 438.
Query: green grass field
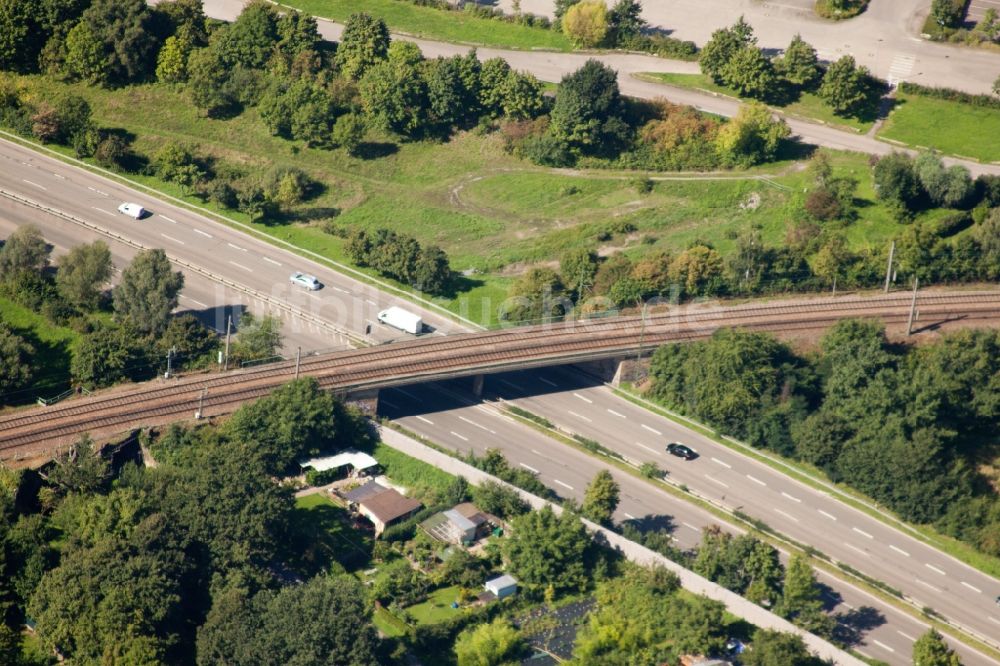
column 437, row 607
column 410, row 472
column 808, row 106
column 438, row 24
column 324, row 540
column 950, row 127
column 53, row 349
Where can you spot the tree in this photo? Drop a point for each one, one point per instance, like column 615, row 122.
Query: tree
column 172, row 61
column 257, row 338
column 112, row 152
column 801, row 601
column 750, row 73
column 846, row 87
column 148, row 292
column 588, row 112
column 250, row 40
column 349, row 131
column 207, row 82
column 123, row 30
column 15, row 361
column 799, row 65
column 21, row 38
column 536, row 295
column 493, row 78
column 495, row 498
column 82, row 273
column 80, row 469
column 176, row 163
column 577, row 269
column 85, row 58
column 947, row 14
column 24, row 251
column 522, row 96
column 545, row 549
column 932, row 650
column 363, row 44
column 297, row 419
column 394, row 94
column 625, row 22
column 431, row 271
column 697, row 270
column 948, row 187
column 601, row 498
column 722, row 45
column 108, row 354
column 492, row 644
column 895, row 180
column 586, row 23
column 774, row 648
column 188, row 339
column 752, row 136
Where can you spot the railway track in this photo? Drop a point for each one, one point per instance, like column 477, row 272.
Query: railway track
column 31, row 433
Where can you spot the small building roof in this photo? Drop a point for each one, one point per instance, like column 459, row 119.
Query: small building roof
column 352, row 457
column 472, row 512
column 364, row 492
column 459, row 521
column 501, row 582
column 383, row 503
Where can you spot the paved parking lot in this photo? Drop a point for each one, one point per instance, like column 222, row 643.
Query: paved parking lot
column 977, row 8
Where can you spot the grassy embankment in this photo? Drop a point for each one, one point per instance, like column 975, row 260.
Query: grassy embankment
column 492, row 213
column 448, row 26
column 808, row 106
column 53, row 347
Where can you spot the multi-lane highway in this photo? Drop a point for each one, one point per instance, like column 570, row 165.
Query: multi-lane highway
column 444, row 413
column 935, row 580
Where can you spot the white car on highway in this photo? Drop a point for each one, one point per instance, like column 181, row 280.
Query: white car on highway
column 304, row 280
column 132, row 210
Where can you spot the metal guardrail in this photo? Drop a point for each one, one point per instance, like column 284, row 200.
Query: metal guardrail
column 262, row 361
column 354, row 338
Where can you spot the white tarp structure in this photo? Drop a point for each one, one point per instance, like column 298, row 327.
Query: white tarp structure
column 356, row 459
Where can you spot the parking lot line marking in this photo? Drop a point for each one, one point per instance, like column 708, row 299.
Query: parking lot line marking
column 882, row 645
column 171, row 238
column 791, row 497
column 248, row 270
column 862, row 533
column 927, row 585
column 722, row 462
column 787, row 515
column 972, row 587
column 899, row 550
column 529, row 468
column 271, row 261
column 580, row 416
column 461, row 437
column 756, row 480
column 651, row 450
column 828, row 515
column 31, row 182
column 652, row 430
column 546, row 381
column 614, row 413
column 425, row 420
column 203, row 233
column 564, row 485
column 715, row 480
column 935, row 569
column 584, row 398
column 859, row 550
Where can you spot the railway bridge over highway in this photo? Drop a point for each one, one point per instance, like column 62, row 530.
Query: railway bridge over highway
column 31, row 436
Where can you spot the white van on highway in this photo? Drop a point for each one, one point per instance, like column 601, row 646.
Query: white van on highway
column 132, row 210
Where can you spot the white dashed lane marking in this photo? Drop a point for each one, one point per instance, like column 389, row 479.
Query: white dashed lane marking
column 29, row 182
column 529, row 468
column 203, row 233
column 652, row 430
column 787, row 515
column 828, row 515
column 425, row 420
column 756, row 480
column 564, row 485
column 899, row 550
column 585, row 399
column 935, row 569
column 862, row 533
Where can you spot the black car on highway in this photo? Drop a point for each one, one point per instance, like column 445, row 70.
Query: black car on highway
column 681, row 451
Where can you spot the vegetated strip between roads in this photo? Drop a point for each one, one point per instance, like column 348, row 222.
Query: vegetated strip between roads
column 38, row 432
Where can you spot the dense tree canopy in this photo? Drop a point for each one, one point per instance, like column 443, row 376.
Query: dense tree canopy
column 545, row 549
column 83, row 271
column 588, row 110
column 148, row 292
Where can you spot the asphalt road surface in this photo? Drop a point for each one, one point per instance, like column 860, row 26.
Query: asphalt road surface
column 445, row 413
column 948, row 66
